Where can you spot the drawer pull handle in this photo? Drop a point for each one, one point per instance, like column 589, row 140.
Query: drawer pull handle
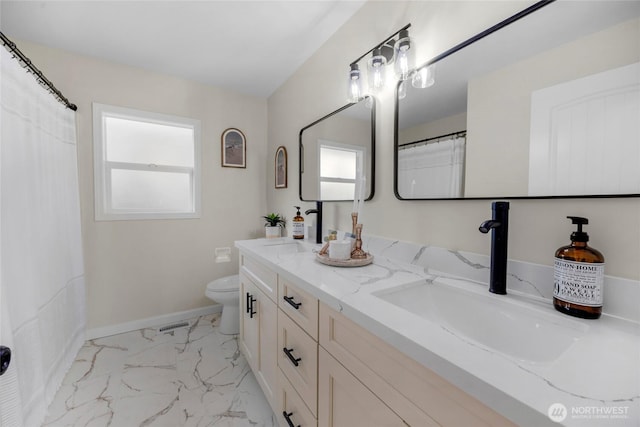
column 287, row 416
column 250, row 301
column 293, row 304
column 288, row 352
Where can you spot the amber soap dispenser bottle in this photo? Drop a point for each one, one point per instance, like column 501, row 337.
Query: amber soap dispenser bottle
column 298, row 225
column 578, row 276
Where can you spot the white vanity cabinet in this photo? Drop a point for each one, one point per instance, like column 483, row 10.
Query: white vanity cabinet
column 258, row 323
column 320, row 369
column 416, row 394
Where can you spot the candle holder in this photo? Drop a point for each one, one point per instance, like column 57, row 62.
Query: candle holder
column 354, row 222
column 358, row 253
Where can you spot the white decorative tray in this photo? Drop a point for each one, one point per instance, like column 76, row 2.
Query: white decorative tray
column 324, row 259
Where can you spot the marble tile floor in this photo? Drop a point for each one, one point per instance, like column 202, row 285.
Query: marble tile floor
column 191, row 377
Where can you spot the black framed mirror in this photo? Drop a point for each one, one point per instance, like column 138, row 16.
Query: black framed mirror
column 544, row 104
column 333, row 148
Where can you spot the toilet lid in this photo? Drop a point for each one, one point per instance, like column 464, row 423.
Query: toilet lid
column 225, row 284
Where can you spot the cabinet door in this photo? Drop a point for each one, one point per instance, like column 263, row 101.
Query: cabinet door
column 343, row 401
column 258, row 335
column 266, row 373
column 248, row 339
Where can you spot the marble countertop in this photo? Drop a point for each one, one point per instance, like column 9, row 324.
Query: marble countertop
column 596, row 380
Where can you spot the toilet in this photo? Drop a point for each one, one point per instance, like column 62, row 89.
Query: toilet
column 225, row 291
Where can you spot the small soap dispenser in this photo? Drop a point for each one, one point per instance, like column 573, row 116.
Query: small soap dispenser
column 578, row 276
column 298, row 225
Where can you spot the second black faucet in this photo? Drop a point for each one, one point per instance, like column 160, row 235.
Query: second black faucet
column 318, row 212
column 499, row 223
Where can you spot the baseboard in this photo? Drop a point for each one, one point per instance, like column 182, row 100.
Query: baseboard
column 151, row 322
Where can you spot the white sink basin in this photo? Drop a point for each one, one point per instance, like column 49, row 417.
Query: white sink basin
column 501, row 323
column 287, row 247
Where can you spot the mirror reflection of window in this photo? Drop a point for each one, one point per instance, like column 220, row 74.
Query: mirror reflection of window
column 338, row 164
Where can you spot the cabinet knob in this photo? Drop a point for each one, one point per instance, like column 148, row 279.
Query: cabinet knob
column 289, row 353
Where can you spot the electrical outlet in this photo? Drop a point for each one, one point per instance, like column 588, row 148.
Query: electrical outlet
column 223, row 254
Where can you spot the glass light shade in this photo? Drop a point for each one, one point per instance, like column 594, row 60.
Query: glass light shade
column 377, row 65
column 402, row 90
column 354, row 84
column 404, row 61
column 424, row 77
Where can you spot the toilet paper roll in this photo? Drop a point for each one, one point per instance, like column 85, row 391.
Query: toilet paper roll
column 340, row 249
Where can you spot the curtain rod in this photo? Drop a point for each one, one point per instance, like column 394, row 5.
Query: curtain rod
column 26, row 63
column 434, row 139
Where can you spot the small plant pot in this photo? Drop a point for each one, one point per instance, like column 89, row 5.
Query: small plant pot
column 272, row 232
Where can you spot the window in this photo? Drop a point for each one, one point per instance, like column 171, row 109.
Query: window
column 146, row 165
column 338, row 165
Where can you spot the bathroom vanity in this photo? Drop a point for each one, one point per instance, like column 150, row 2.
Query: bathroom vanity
column 416, row 339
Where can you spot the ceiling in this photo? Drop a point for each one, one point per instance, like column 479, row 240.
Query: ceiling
column 250, row 47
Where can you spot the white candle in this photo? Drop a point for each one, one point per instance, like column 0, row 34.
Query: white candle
column 355, row 194
column 363, row 184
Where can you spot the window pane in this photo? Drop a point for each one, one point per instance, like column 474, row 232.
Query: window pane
column 136, row 141
column 337, row 190
column 336, row 163
column 151, row 191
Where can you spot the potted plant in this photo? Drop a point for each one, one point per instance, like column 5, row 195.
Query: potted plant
column 273, row 225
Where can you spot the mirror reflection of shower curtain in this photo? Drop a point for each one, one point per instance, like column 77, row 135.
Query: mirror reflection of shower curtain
column 42, row 292
column 433, row 170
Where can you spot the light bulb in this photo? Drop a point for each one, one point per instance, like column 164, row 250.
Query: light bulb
column 354, row 84
column 404, row 56
column 377, row 65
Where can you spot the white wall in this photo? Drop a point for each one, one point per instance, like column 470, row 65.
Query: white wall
column 140, row 269
column 538, row 227
column 488, row 106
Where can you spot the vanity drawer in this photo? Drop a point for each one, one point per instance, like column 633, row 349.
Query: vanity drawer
column 264, row 278
column 417, row 394
column 290, row 403
column 298, row 360
column 299, row 305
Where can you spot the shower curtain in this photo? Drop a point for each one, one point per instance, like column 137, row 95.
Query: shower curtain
column 42, row 295
column 432, row 170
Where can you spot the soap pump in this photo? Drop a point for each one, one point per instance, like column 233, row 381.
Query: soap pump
column 298, row 225
column 578, row 276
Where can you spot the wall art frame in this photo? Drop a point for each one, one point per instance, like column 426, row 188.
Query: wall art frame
column 281, row 167
column 234, row 148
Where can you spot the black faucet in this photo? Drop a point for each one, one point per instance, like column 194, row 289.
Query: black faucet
column 499, row 242
column 318, row 211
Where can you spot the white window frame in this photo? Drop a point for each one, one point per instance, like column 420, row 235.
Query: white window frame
column 103, row 168
column 361, row 154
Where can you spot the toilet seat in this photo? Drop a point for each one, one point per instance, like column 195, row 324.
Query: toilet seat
column 225, row 284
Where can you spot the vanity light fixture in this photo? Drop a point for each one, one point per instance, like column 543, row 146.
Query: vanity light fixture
column 385, row 53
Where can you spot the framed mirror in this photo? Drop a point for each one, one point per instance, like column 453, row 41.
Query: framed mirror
column 334, row 149
column 544, row 104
